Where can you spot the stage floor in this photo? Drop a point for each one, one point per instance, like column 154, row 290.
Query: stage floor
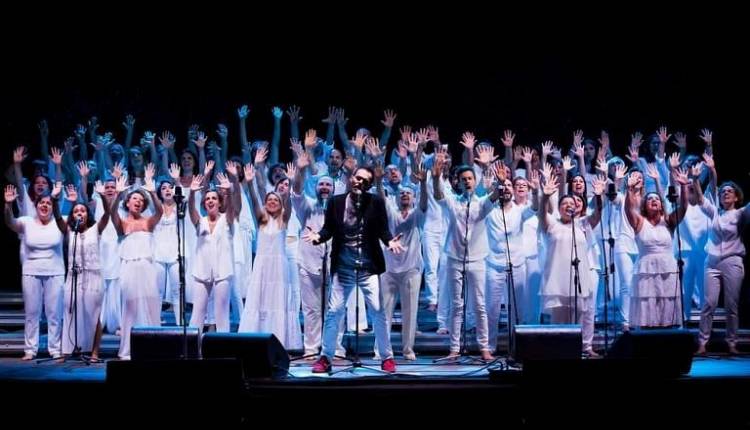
column 13, row 369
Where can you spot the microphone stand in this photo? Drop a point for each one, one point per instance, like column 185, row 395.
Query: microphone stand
column 608, row 268
column 575, row 261
column 179, row 199
column 510, row 284
column 672, row 197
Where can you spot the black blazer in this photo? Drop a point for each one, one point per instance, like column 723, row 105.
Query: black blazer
column 375, row 220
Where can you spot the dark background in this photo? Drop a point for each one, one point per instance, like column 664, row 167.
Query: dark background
column 541, row 82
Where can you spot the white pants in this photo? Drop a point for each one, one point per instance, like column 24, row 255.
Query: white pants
column 351, row 312
column 475, row 284
column 693, row 279
column 342, row 288
column 496, row 294
column 624, row 263
column 47, row 290
column 406, row 286
column 727, row 273
column 168, row 279
column 444, row 295
column 432, row 245
column 533, row 286
column 238, row 286
column 220, row 291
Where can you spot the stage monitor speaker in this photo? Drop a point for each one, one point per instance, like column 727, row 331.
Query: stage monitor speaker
column 662, row 352
column 162, row 343
column 261, row 354
column 547, row 342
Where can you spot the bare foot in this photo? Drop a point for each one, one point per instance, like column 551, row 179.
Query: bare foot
column 27, row 357
column 487, row 356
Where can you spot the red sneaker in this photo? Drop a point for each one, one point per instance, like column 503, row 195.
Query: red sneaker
column 322, row 365
column 389, row 365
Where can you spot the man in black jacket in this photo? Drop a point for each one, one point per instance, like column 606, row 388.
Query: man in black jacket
column 356, row 221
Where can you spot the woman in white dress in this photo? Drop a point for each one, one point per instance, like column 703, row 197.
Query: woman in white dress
column 266, row 302
column 655, row 298
column 561, row 299
column 81, row 325
column 165, row 249
column 213, row 266
column 141, row 304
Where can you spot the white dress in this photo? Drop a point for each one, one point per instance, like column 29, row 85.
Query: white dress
column 109, row 260
column 141, row 304
column 557, row 286
column 655, row 299
column 266, row 303
column 89, row 291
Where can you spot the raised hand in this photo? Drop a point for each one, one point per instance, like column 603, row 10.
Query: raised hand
column 709, row 160
column 19, row 154
column 293, row 113
column 604, row 141
column 550, row 186
column 485, row 155
column 117, row 170
column 56, row 155
column 680, row 140
column 341, row 118
column 56, row 190
column 663, row 135
column 632, row 154
column 359, row 140
column 208, row 167
column 174, row 171
column 706, row 136
column 291, row 170
column 547, row 148
column 83, row 169
column 80, row 131
column 620, row 171
column 222, row 131
column 311, row 139
column 527, row 155
column 674, row 160
column 167, row 140
column 249, row 170
column 433, row 134
column 231, row 167
column 69, row 145
column 331, row 118
column 277, row 112
column 303, row 160
column 93, row 123
column 242, row 111
column 696, row 169
column 200, row 139
column 468, row 140
column 405, row 132
column 129, row 122
column 149, row 172
column 11, row 194
column 546, row 171
column 636, row 140
column 99, row 188
column 223, row 181
column 567, row 163
column 533, row 179
column 599, row 183
column 295, row 146
column 651, row 171
column 413, row 143
column 577, row 138
column 508, row 138
column 197, row 183
column 390, row 118
column 681, row 176
column 577, row 149
column 71, row 193
column 260, row 155
column 121, row 184
column 372, row 147
column 43, row 129
column 601, row 163
column 350, row 163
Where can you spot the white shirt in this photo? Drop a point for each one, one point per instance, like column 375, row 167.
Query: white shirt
column 410, row 227
column 456, row 245
column 43, row 248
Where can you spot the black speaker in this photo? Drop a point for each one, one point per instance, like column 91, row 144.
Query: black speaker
column 547, row 342
column 162, row 343
column 261, row 354
column 661, row 352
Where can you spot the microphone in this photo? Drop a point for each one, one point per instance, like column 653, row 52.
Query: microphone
column 611, row 192
column 178, row 195
column 672, row 194
column 77, row 225
column 571, row 212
